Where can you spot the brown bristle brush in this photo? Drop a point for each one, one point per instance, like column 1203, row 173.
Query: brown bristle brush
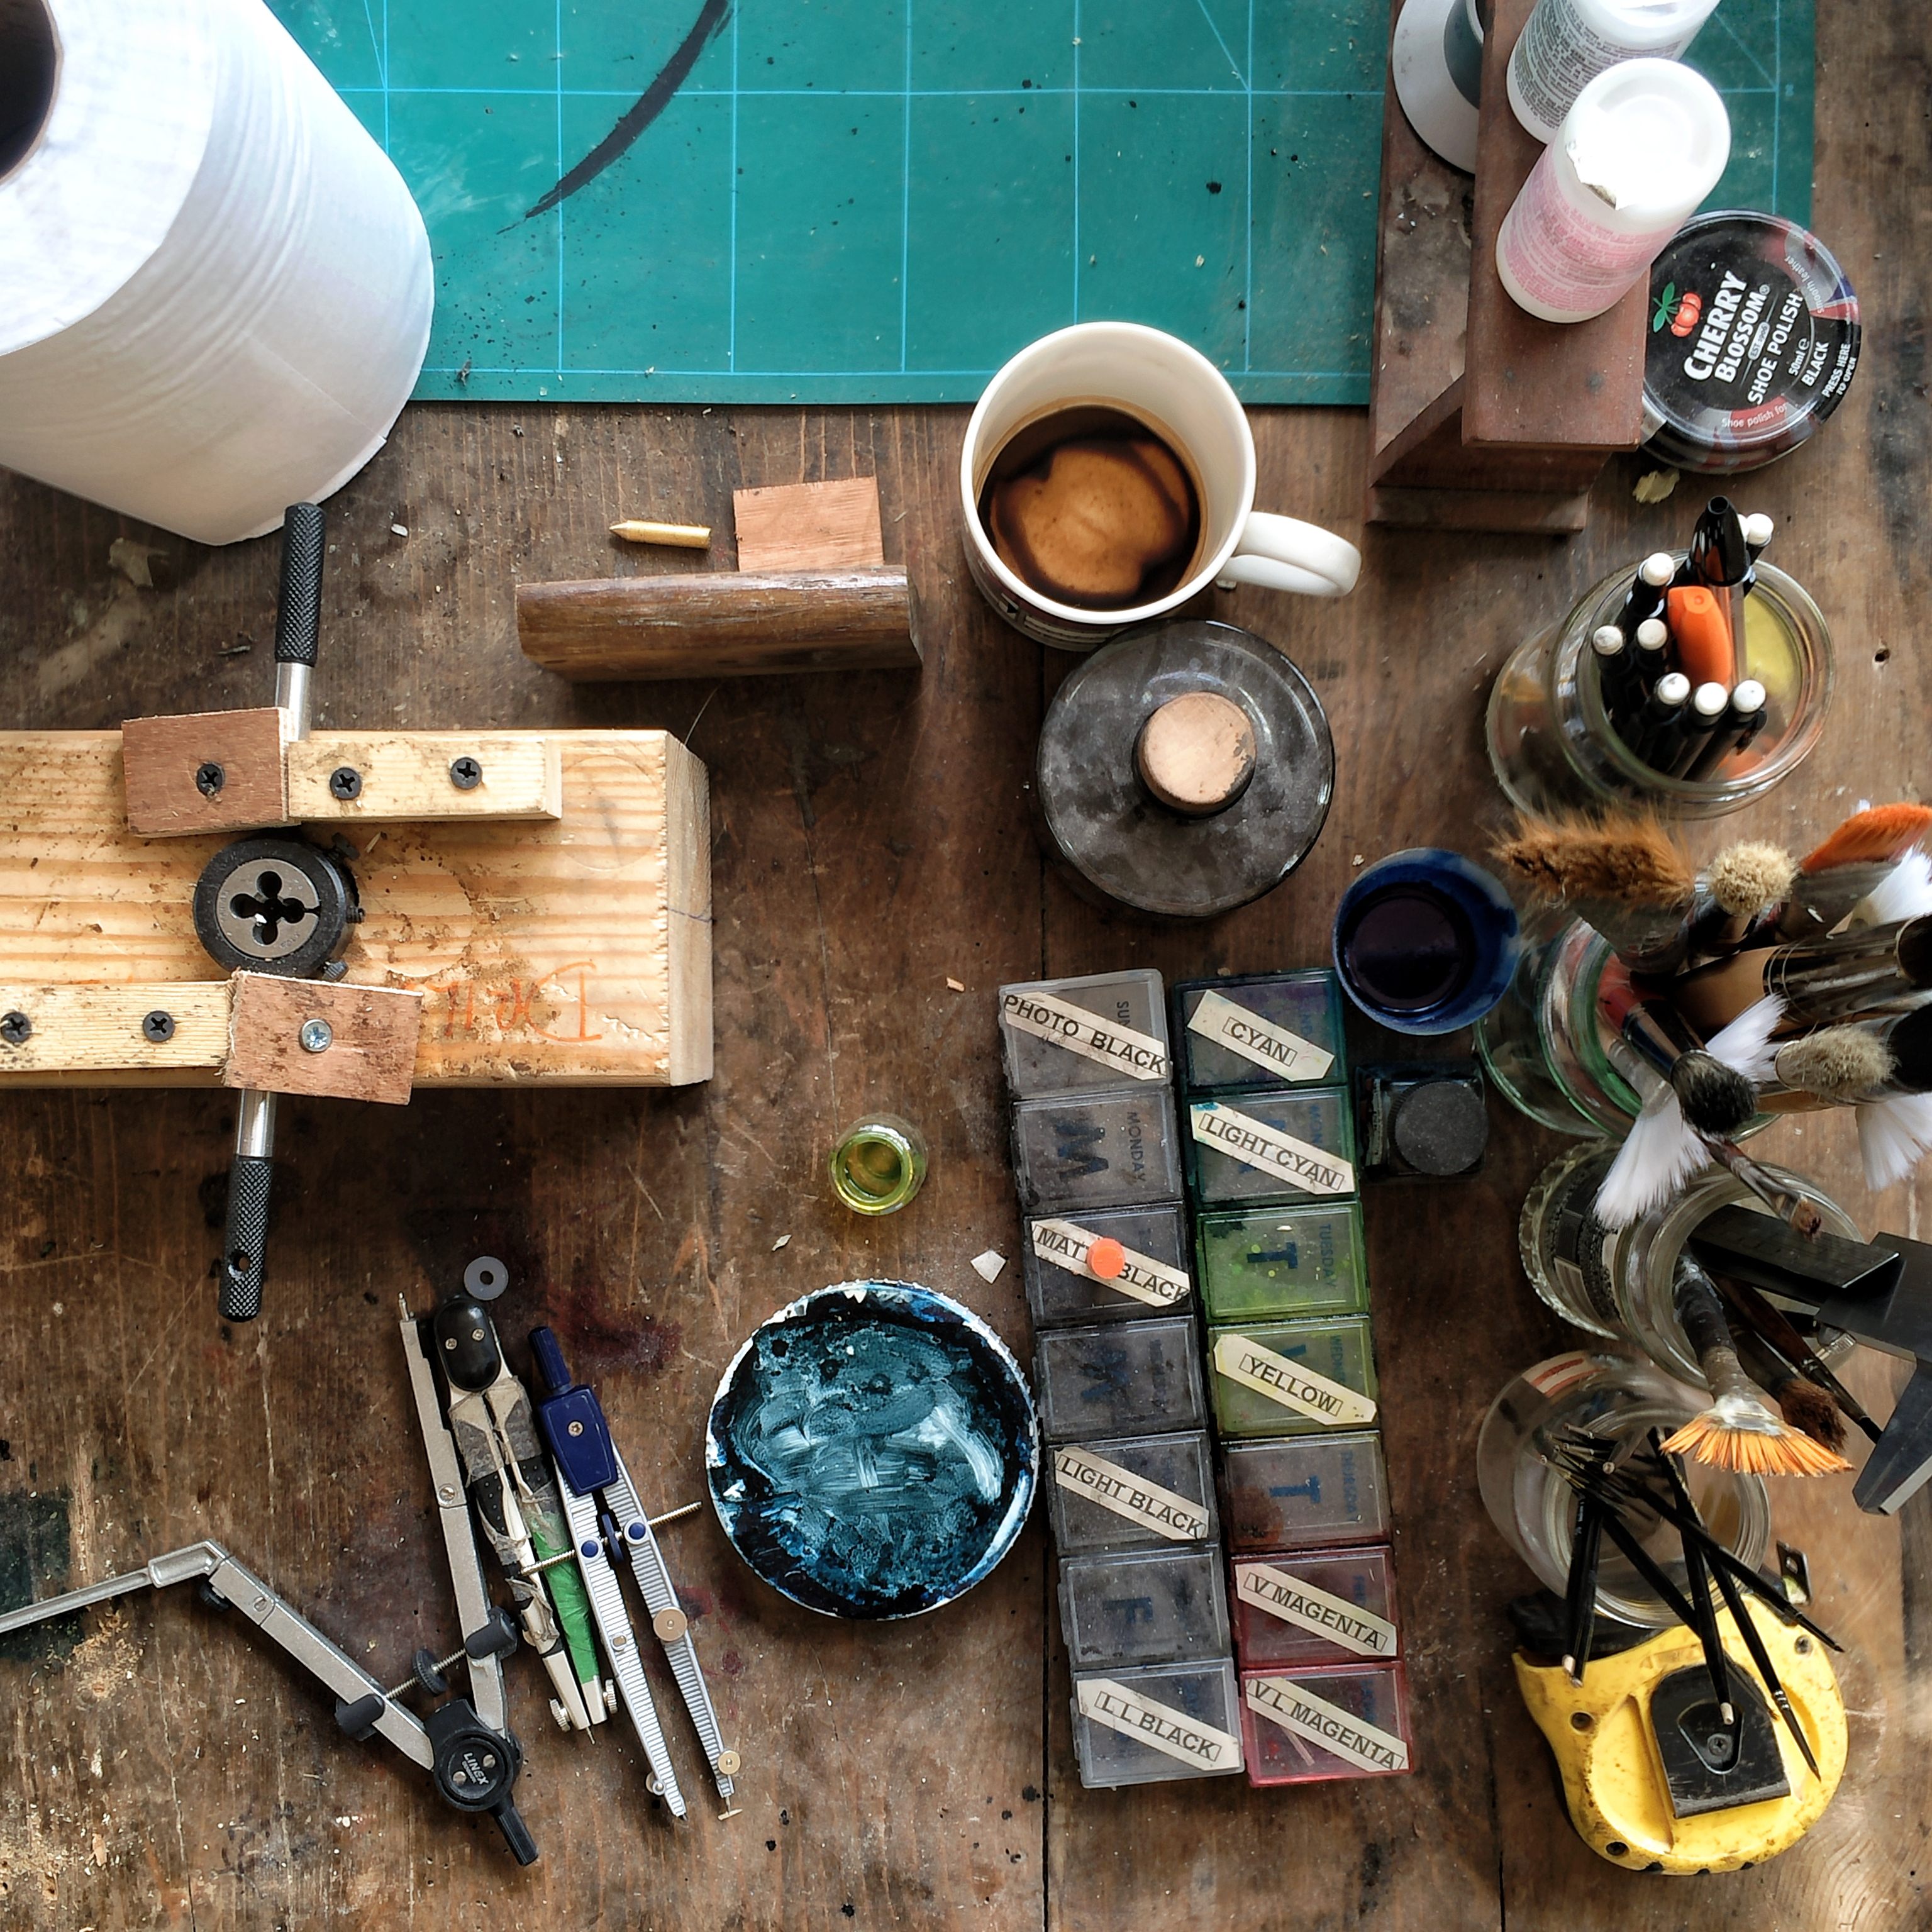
column 1627, row 874
column 1836, row 1064
column 1740, row 1430
column 1801, row 1403
column 1742, row 886
column 1856, row 858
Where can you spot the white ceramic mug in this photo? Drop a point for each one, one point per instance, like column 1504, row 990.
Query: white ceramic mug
column 1186, row 401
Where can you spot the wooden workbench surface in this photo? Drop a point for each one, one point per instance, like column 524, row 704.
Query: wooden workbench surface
column 872, row 842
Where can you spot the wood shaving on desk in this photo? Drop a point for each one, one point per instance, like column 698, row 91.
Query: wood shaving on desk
column 957, row 985
column 781, row 1242
column 989, row 1265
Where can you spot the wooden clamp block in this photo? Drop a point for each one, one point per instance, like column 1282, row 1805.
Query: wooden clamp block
column 812, row 593
column 369, row 1052
column 231, row 771
column 574, row 950
column 425, row 774
column 1481, row 416
column 206, row 771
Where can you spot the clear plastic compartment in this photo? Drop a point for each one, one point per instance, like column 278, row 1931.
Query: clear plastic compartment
column 1141, row 1726
column 1128, row 1378
column 1149, row 1606
column 1096, row 1150
column 1304, row 1492
column 1306, row 1726
column 1109, row 1039
column 1332, row 1607
column 1150, row 1275
column 1268, row 1029
column 1284, row 1355
column 1289, row 1263
column 1133, row 1492
column 1282, row 1145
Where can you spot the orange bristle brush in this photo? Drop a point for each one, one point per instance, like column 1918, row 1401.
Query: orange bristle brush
column 1855, row 858
column 1740, row 1431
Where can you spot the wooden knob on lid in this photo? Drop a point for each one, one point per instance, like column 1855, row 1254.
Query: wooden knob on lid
column 1197, row 753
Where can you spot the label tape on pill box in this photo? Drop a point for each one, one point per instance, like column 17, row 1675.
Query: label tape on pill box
column 1176, row 1517
column 1218, row 1019
column 1106, row 1702
column 1244, row 1360
column 1267, row 1149
column 1294, row 1601
column 1299, row 1710
column 1065, row 1244
column 1138, row 1055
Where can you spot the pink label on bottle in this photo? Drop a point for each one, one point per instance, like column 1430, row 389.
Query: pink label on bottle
column 1562, row 258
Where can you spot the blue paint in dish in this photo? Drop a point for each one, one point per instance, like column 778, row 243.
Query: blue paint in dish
column 872, row 1450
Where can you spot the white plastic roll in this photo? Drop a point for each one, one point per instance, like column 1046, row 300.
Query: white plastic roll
column 214, row 288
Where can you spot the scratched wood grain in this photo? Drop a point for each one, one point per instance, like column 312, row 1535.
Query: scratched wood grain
column 870, row 841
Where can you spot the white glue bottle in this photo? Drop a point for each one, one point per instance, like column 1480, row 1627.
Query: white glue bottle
column 1644, row 144
column 1566, row 43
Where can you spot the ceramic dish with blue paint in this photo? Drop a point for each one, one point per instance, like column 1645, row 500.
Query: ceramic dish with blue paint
column 872, row 1450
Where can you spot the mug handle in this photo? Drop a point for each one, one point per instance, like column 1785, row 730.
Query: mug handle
column 1284, row 553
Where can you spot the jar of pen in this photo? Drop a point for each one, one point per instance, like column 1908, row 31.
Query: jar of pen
column 1617, row 1400
column 1693, row 686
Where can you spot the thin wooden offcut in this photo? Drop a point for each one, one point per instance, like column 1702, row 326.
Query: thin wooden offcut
column 406, row 775
column 1530, row 383
column 721, row 624
column 371, row 1054
column 96, row 1029
column 831, row 525
column 1482, row 417
column 575, row 950
column 161, row 756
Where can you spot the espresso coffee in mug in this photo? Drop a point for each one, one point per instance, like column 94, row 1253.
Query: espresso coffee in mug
column 1089, row 506
column 1108, row 476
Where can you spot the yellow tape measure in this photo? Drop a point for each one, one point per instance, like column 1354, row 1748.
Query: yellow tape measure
column 1654, row 1783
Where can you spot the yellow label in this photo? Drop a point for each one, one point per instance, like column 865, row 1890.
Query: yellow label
column 1141, row 1278
column 1296, row 1708
column 1138, row 1055
column 1268, row 1150
column 1217, row 1018
column 1242, row 1360
column 1159, row 1726
column 1296, row 1601
column 1167, row 1513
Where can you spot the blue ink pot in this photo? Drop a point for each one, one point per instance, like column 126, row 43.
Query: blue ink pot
column 872, row 1450
column 1425, row 942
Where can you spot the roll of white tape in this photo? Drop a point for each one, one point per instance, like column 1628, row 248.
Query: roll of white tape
column 217, row 288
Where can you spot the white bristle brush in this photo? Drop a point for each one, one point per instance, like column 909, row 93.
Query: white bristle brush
column 1663, row 1149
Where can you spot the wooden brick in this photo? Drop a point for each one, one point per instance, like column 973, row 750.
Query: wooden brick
column 406, row 776
column 160, row 756
column 810, row 526
column 372, row 1052
column 80, row 1028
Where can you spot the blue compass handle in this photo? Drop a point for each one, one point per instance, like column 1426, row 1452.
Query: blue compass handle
column 572, row 1421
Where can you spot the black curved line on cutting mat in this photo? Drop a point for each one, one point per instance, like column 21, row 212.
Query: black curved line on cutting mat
column 653, row 102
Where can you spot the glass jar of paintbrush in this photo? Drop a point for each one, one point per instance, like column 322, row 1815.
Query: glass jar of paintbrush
column 1616, row 1400
column 1664, row 687
column 1621, row 1283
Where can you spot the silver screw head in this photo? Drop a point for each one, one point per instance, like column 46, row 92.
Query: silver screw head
column 316, row 1036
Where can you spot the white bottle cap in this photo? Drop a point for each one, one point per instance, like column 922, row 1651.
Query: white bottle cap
column 1709, row 700
column 1653, row 633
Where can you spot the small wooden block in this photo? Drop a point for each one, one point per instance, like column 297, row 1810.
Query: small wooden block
column 371, row 1054
column 97, row 1029
column 810, row 526
column 160, row 756
column 407, row 775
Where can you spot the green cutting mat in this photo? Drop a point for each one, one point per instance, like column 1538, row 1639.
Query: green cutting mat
column 881, row 200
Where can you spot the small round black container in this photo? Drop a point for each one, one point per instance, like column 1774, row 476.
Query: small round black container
column 1754, row 341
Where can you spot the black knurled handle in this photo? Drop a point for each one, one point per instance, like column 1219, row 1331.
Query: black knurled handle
column 299, row 609
column 241, row 1247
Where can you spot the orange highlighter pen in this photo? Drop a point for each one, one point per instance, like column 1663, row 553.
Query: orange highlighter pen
column 1700, row 631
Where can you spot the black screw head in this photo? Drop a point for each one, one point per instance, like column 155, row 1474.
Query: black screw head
column 16, row 1029
column 209, row 778
column 158, row 1027
column 345, row 782
column 465, row 773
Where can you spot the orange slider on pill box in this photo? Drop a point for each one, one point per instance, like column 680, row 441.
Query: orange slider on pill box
column 1106, row 1258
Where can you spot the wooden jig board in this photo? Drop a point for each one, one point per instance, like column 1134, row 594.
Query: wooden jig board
column 575, row 951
